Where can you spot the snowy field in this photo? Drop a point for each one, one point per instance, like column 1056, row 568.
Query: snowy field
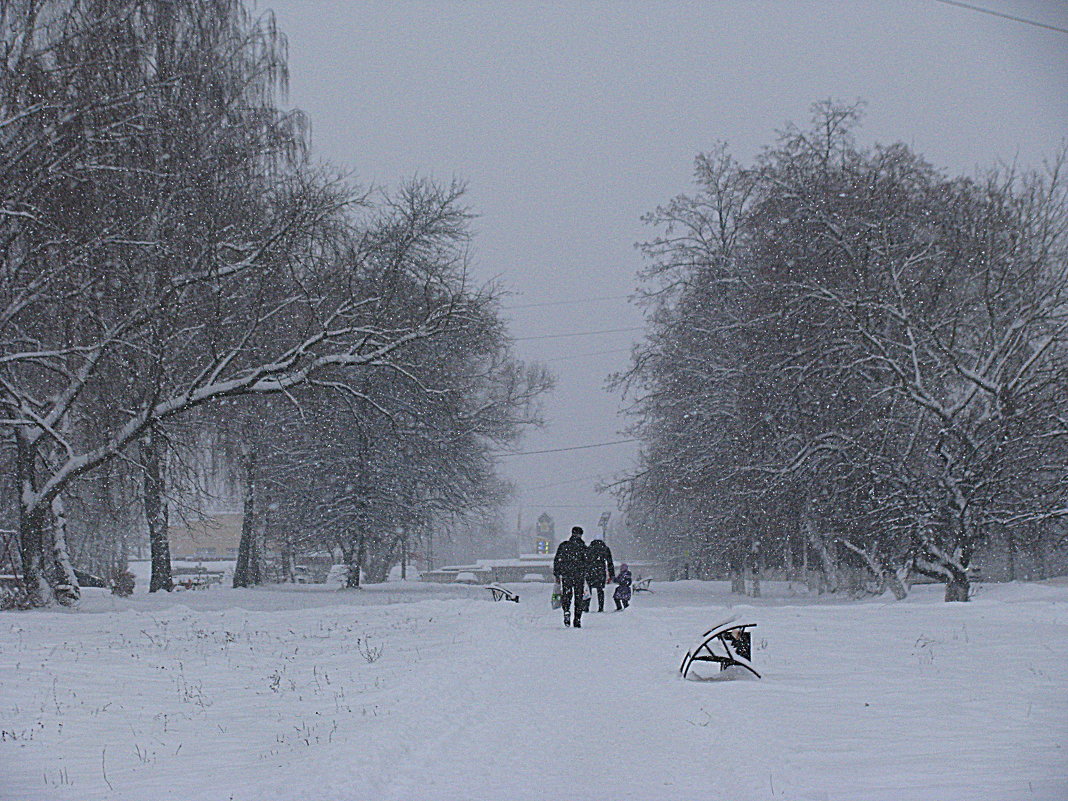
column 416, row 691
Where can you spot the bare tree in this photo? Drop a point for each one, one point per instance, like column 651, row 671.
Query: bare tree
column 863, row 355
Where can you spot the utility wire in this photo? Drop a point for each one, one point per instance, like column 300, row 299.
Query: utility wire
column 562, row 483
column 572, row 448
column 574, row 302
column 581, row 333
column 1002, row 15
column 561, row 505
column 574, row 356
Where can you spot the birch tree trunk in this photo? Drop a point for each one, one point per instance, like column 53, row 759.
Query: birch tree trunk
column 66, row 584
column 156, row 512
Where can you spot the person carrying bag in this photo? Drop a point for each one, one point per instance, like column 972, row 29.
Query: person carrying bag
column 569, row 568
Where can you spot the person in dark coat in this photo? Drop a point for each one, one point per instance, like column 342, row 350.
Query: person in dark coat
column 622, row 594
column 601, row 569
column 570, row 568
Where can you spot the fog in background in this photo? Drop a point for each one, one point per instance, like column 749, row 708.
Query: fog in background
column 568, row 121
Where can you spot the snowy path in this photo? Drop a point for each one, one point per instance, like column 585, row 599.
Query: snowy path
column 474, row 700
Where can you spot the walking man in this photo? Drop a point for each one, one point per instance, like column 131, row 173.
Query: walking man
column 601, row 569
column 570, row 567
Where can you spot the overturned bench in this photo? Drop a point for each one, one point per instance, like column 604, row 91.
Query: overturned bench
column 728, row 644
column 501, row 593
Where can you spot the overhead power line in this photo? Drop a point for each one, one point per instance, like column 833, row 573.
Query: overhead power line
column 993, row 13
column 561, row 505
column 574, row 356
column 572, row 448
column 562, row 483
column 573, row 302
column 581, row 333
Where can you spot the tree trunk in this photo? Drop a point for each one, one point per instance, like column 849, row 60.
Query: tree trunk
column 32, row 522
column 289, row 560
column 355, row 556
column 788, row 558
column 898, row 582
column 257, row 553
column 828, row 562
column 958, row 588
column 156, row 512
column 381, row 557
column 1038, row 555
column 758, row 569
column 1010, row 543
column 66, row 587
column 939, row 563
column 737, row 581
column 246, row 550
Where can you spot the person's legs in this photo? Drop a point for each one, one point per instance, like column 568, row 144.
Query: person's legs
column 565, row 599
column 600, row 599
column 578, row 586
column 619, row 605
column 626, row 602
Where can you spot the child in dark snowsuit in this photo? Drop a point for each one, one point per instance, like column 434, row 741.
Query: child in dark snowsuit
column 622, row 594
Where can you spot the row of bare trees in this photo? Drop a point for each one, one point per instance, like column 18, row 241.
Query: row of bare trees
column 853, row 357
column 174, row 272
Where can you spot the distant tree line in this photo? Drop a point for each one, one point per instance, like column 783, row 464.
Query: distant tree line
column 855, row 359
column 179, row 284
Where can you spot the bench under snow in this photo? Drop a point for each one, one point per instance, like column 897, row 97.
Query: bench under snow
column 195, row 578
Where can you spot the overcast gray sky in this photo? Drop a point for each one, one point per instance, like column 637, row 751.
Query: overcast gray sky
column 570, row 120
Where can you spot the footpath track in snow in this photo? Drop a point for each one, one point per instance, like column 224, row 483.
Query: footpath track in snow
column 437, row 693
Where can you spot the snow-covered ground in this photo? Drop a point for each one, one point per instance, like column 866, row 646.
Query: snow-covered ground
column 422, row 691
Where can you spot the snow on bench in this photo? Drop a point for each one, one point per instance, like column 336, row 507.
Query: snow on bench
column 195, row 578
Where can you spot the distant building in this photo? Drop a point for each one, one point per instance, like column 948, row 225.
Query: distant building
column 216, row 537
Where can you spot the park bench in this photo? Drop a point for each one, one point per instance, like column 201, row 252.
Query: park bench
column 195, row 578
column 728, row 644
column 501, row 594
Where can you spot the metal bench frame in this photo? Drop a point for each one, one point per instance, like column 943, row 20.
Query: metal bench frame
column 736, row 642
column 501, row 594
